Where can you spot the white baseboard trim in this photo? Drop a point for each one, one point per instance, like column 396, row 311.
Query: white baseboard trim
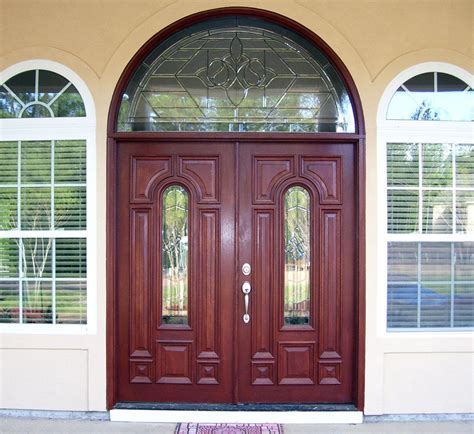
column 287, row 417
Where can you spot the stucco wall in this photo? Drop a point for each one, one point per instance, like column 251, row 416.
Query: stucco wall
column 376, row 40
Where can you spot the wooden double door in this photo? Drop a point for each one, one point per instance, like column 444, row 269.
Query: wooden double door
column 264, row 229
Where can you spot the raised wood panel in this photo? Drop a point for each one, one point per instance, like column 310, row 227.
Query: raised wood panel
column 147, row 172
column 330, row 293
column 329, row 373
column 141, row 371
column 326, row 175
column 268, row 173
column 204, row 174
column 174, row 362
column 140, row 261
column 262, row 373
column 296, row 363
column 209, row 283
column 208, row 372
column 261, row 297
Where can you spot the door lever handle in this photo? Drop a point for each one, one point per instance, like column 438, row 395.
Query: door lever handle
column 246, row 288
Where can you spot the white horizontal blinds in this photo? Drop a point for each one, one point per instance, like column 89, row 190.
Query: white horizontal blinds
column 71, row 267
column 9, row 280
column 437, row 184
column 8, row 180
column 430, row 281
column 46, row 182
column 463, row 306
column 430, row 284
column 403, row 182
column 425, row 183
column 43, row 188
column 464, row 158
column 70, row 184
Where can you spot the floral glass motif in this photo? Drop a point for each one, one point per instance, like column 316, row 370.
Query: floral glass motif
column 297, row 236
column 40, row 94
column 236, row 78
column 174, row 256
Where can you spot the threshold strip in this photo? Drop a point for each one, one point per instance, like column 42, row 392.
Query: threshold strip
column 238, row 415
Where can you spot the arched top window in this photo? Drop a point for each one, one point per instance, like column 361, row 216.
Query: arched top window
column 428, row 179
column 47, row 232
column 236, row 74
column 39, row 93
column 432, row 96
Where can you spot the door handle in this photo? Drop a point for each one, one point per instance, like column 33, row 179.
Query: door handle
column 246, row 288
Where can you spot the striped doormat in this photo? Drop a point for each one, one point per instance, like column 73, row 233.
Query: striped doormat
column 229, row 428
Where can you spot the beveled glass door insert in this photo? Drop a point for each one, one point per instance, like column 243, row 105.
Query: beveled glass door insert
column 297, row 253
column 174, row 256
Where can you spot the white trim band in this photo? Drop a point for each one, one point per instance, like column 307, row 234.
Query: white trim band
column 286, row 417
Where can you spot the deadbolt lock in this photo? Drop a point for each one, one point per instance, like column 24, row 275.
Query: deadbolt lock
column 246, row 269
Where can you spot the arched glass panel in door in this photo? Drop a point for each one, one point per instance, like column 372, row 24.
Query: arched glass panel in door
column 236, row 74
column 297, row 245
column 174, row 256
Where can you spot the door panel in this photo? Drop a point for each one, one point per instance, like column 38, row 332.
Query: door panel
column 175, row 288
column 181, row 331
column 295, row 361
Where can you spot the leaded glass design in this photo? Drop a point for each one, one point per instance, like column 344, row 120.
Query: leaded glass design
column 174, row 256
column 433, row 96
column 236, row 76
column 297, row 235
column 40, row 94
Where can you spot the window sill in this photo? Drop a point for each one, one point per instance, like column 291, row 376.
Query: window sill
column 46, row 329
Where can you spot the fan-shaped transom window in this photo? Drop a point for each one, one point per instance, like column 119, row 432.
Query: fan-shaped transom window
column 40, row 94
column 432, row 96
column 236, row 74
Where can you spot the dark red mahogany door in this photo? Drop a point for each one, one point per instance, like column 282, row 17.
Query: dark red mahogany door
column 243, row 202
column 299, row 344
column 165, row 358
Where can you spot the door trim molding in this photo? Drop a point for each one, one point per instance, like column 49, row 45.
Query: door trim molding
column 113, row 138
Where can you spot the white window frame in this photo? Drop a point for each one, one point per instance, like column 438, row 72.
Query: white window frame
column 408, row 131
column 73, row 128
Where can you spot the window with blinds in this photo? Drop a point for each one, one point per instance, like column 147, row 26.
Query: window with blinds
column 43, row 199
column 430, row 219
column 43, row 208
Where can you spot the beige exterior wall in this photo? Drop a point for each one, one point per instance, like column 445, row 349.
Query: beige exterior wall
column 376, row 40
